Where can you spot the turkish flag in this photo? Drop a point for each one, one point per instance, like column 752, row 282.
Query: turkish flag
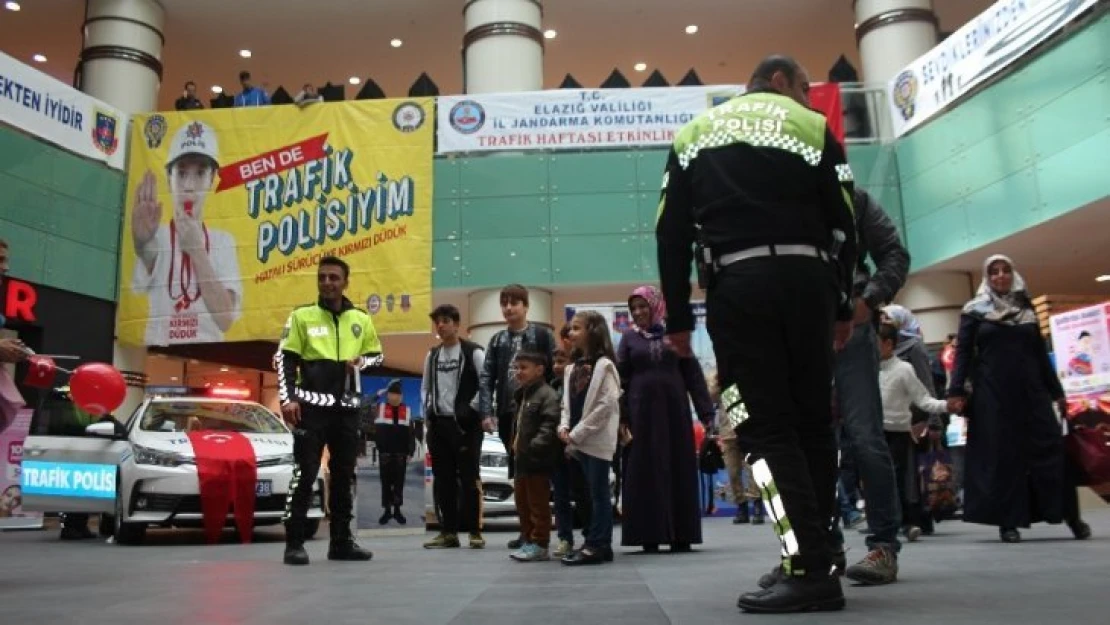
column 228, row 472
column 948, row 358
column 825, row 97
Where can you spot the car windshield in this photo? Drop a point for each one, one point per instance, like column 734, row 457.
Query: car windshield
column 190, row 416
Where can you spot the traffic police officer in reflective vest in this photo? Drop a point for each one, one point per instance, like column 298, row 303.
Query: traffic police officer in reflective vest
column 758, row 192
column 323, row 347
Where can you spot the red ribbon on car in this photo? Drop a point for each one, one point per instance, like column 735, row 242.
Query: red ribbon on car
column 228, row 473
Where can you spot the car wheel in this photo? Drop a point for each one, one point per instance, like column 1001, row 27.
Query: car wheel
column 126, row 533
column 311, row 527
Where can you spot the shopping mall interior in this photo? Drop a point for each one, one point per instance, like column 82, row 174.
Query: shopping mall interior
column 172, row 171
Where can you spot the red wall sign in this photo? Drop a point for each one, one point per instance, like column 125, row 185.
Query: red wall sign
column 19, row 303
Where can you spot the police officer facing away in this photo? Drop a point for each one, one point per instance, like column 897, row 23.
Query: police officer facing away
column 323, row 347
column 763, row 188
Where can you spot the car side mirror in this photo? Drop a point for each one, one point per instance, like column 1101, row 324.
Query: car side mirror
column 107, row 429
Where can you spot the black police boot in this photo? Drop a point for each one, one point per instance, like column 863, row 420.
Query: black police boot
column 815, row 592
column 295, row 555
column 397, row 515
column 348, row 551
column 384, row 518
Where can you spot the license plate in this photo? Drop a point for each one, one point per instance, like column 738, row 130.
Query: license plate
column 264, row 488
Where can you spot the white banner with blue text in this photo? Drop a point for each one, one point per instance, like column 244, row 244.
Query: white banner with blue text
column 986, row 45
column 572, row 119
column 53, row 111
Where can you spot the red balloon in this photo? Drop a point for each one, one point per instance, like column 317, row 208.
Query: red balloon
column 97, row 388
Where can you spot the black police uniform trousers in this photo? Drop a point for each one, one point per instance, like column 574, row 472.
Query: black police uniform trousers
column 337, row 428
column 771, row 320
column 392, row 478
column 455, row 456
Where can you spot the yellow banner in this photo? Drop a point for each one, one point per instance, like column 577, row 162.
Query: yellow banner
column 229, row 211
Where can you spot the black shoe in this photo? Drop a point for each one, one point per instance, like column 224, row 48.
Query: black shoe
column 583, row 558
column 1009, row 535
column 758, row 519
column 385, row 517
column 681, row 548
column 516, row 543
column 651, row 548
column 840, row 565
column 348, row 551
column 607, row 554
column 816, row 593
column 741, row 517
column 1080, row 530
column 770, row 579
column 295, row 555
column 400, row 517
column 76, row 533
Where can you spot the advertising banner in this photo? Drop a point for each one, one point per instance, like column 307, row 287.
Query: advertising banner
column 12, row 515
column 577, row 119
column 572, row 119
column 229, row 212
column 51, row 110
column 1081, row 342
column 986, row 45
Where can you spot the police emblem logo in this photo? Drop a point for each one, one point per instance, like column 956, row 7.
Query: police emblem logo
column 389, row 301
column 155, row 130
column 195, row 130
column 356, row 330
column 408, row 117
column 467, row 117
column 905, row 93
column 374, row 304
column 104, row 133
column 406, row 303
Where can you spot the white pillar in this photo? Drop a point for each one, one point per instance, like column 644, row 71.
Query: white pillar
column 936, row 299
column 131, row 361
column 891, row 34
column 485, row 318
column 502, row 46
column 121, row 62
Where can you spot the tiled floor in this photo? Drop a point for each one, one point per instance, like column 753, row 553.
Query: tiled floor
column 961, row 576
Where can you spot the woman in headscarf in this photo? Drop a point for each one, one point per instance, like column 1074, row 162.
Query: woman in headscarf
column 1016, row 472
column 660, row 472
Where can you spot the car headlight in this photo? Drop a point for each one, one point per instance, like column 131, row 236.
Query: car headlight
column 494, row 460
column 145, row 455
column 278, row 460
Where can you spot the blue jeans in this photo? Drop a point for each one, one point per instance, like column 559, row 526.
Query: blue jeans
column 561, row 493
column 861, row 412
column 599, row 534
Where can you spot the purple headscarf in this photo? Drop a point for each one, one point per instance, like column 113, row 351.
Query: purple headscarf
column 656, row 305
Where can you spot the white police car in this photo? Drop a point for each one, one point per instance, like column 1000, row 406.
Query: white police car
column 144, row 472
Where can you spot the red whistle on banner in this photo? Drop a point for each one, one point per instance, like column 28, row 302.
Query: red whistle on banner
column 41, row 372
column 272, row 162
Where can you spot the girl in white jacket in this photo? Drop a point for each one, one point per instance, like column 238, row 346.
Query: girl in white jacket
column 591, row 417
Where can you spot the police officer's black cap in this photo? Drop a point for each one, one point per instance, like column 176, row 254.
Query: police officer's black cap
column 394, row 386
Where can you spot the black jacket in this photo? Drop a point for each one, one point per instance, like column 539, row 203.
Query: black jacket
column 538, row 410
column 759, row 170
column 495, row 387
column 879, row 239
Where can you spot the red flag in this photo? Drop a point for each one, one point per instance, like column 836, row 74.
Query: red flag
column 41, row 372
column 825, row 97
column 227, row 471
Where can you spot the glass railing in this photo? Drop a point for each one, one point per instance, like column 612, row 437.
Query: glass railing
column 866, row 114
